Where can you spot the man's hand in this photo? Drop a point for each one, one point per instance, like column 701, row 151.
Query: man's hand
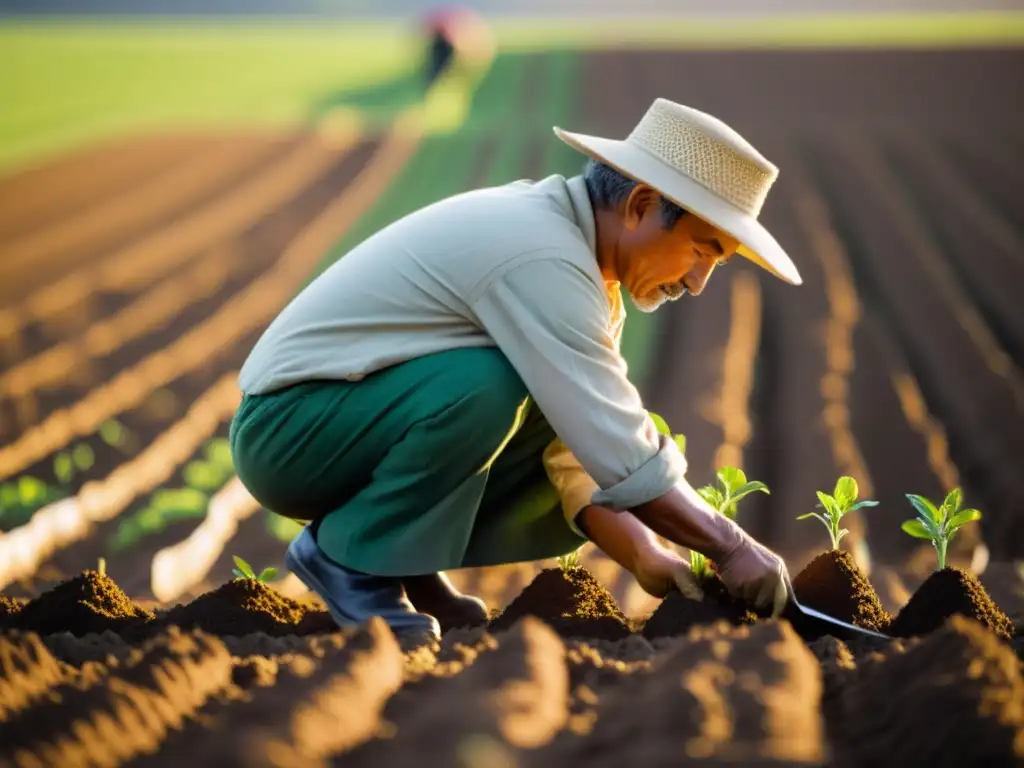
column 757, row 575
column 749, row 570
column 658, row 570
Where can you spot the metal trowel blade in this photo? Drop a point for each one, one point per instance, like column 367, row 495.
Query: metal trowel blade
column 815, row 614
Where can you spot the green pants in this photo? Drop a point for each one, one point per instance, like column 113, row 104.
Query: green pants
column 425, row 466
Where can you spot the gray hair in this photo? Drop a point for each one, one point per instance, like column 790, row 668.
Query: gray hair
column 608, row 188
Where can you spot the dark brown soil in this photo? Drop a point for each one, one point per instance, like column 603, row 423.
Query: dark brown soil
column 958, row 697
column 245, row 606
column 833, row 584
column 945, row 593
column 85, row 604
column 571, row 601
column 10, row 607
column 677, row 614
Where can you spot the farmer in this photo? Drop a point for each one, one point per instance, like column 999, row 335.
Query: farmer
column 451, row 394
column 454, row 31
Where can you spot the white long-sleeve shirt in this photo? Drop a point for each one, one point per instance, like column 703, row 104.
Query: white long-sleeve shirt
column 514, row 267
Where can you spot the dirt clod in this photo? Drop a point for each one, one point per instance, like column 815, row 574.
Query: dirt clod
column 946, row 593
column 961, row 674
column 833, row 584
column 571, row 601
column 678, row 614
column 246, row 606
column 88, row 603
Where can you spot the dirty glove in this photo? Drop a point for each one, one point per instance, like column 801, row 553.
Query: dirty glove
column 754, row 573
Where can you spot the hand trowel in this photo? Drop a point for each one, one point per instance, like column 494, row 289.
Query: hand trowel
column 815, row 614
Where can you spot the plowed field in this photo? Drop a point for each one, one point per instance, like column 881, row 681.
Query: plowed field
column 134, row 277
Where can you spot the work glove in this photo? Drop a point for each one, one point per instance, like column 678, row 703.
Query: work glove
column 755, row 574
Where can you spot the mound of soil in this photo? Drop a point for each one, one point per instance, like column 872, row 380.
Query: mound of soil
column 945, row 593
column 10, row 607
column 85, row 604
column 833, row 584
column 570, row 601
column 962, row 671
column 246, row 606
column 678, row 614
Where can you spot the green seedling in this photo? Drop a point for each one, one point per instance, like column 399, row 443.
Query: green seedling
column 22, row 498
column 83, row 457
column 113, row 433
column 63, row 467
column 663, row 428
column 842, row 501
column 245, row 571
column 732, row 487
column 101, row 566
column 569, row 561
column 939, row 525
column 166, row 506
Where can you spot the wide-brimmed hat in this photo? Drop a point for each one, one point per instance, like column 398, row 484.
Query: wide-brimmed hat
column 702, row 165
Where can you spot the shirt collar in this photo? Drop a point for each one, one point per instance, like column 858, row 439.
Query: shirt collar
column 583, row 211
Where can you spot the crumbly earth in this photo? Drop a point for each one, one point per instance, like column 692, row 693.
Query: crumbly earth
column 572, row 601
column 833, row 584
column 949, row 592
column 90, row 602
column 535, row 693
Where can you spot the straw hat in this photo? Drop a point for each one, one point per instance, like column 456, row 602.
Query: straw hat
column 703, row 165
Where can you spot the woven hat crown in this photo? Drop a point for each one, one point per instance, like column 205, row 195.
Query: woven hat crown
column 708, row 151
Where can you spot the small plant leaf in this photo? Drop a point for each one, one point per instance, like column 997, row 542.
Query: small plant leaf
column 917, row 529
column 267, row 574
column 238, row 573
column 846, row 492
column 809, row 514
column 680, row 441
column 864, row 503
column 924, row 507
column 953, row 501
column 732, row 478
column 963, row 517
column 829, row 505
column 660, row 424
column 712, row 496
column 244, row 567
column 747, row 489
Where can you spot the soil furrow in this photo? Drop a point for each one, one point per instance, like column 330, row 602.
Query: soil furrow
column 129, row 712
column 112, row 223
column 63, row 187
column 745, row 695
column 190, row 341
column 316, row 707
column 27, row 671
column 516, row 694
column 229, row 270
column 976, row 406
column 985, row 254
column 152, row 257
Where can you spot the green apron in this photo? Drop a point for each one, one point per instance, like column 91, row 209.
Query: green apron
column 425, row 466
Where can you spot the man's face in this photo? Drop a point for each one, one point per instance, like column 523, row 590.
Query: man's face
column 655, row 264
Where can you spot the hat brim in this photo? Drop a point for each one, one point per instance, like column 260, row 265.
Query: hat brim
column 756, row 242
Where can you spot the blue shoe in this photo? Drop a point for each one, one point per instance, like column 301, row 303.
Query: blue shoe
column 353, row 597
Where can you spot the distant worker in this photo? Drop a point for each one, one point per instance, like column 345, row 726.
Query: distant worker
column 456, row 34
column 451, row 392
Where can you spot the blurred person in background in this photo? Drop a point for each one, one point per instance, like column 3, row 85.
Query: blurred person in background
column 451, row 392
column 456, row 36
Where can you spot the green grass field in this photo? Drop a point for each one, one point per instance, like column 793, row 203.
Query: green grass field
column 77, row 82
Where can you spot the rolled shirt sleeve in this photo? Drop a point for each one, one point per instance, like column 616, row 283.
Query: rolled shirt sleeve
column 551, row 319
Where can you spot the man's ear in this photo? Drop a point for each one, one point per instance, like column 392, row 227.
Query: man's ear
column 642, row 199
